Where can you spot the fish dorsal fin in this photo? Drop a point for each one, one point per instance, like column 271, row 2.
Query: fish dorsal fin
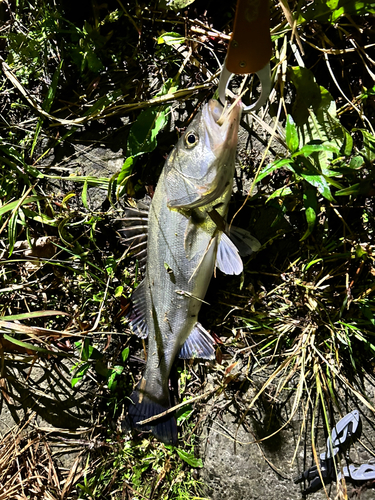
column 137, row 317
column 135, row 229
column 245, row 243
column 199, row 344
column 228, row 259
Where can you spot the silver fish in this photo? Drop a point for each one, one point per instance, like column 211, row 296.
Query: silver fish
column 185, row 241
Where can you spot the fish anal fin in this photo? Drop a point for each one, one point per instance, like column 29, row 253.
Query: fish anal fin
column 228, row 259
column 142, row 407
column 199, row 344
column 137, row 317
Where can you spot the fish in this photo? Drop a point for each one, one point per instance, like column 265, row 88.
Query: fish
column 187, row 237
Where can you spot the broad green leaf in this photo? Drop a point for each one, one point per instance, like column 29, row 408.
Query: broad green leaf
column 321, row 184
column 144, row 131
column 309, row 149
column 280, row 193
column 291, row 134
column 142, row 136
column 171, row 38
column 189, row 458
column 271, row 167
column 314, row 112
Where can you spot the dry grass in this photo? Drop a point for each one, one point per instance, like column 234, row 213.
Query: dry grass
column 28, row 469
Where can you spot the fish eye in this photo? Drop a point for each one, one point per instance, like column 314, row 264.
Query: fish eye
column 191, row 139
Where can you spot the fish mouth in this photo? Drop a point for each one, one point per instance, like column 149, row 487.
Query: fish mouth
column 223, row 122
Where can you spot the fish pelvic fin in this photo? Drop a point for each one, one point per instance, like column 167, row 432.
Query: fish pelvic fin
column 142, row 407
column 137, row 317
column 199, row 344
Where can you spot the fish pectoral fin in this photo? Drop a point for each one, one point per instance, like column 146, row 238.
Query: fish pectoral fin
column 137, row 317
column 244, row 241
column 194, row 240
column 228, row 259
column 199, row 344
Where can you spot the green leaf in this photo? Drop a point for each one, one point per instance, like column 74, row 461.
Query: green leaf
column 280, row 193
column 291, row 134
column 33, row 314
column 329, row 11
column 142, row 136
column 12, row 205
column 184, row 413
column 34, row 347
column 125, row 354
column 309, row 149
column 171, row 38
column 116, row 370
column 84, row 195
column 351, row 190
column 144, row 131
column 311, row 206
column 321, row 184
column 189, row 458
column 314, row 112
column 87, row 351
column 12, row 232
column 43, row 218
column 271, row 167
column 178, row 4
column 368, row 150
column 80, row 373
column 356, row 162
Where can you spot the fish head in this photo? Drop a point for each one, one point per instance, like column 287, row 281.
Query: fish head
column 201, row 166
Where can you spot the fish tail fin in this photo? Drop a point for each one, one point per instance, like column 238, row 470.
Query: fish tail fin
column 143, row 407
